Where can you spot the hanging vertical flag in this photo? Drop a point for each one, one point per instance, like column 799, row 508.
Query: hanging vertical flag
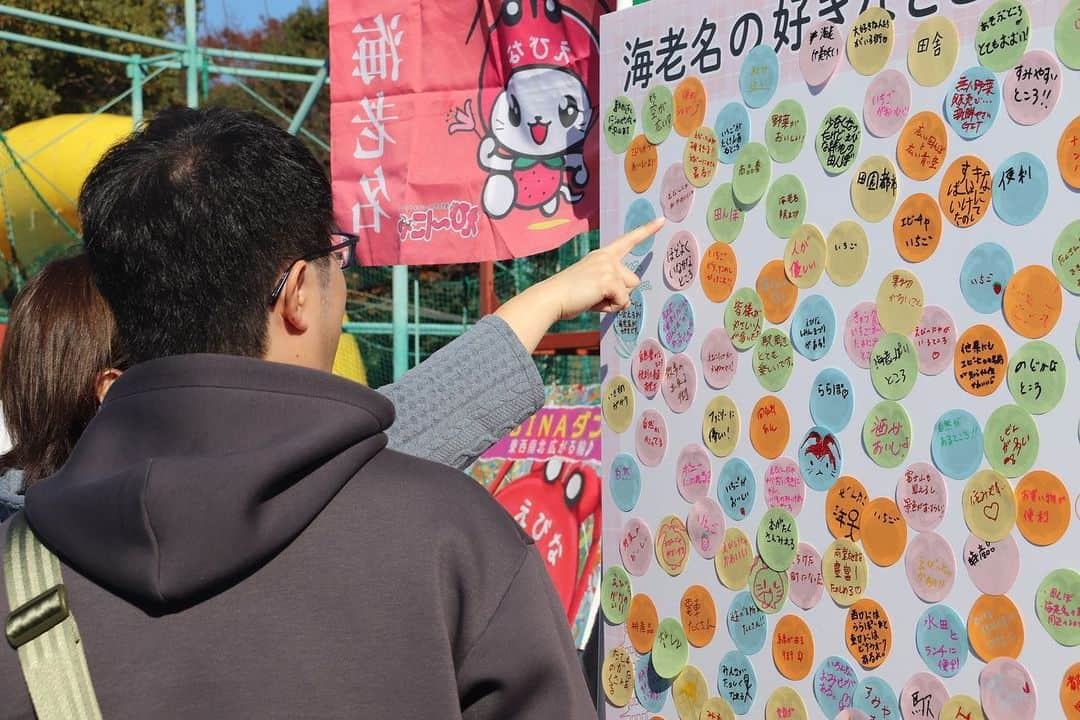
column 464, row 131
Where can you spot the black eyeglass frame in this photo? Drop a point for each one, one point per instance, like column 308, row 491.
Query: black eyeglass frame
column 350, row 242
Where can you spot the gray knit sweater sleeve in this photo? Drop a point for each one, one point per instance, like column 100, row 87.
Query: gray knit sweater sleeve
column 462, row 399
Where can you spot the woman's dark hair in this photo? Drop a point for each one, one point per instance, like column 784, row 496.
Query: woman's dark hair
column 60, row 336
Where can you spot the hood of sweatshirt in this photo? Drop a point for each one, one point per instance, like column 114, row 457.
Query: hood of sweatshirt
column 199, row 469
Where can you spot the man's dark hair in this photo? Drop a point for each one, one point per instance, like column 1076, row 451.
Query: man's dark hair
column 189, row 224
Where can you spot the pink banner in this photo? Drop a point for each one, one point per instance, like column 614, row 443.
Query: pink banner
column 571, row 433
column 463, row 131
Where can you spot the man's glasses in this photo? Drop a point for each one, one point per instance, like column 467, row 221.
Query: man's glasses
column 343, row 251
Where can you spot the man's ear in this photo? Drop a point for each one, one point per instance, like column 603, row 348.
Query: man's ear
column 103, row 381
column 295, row 300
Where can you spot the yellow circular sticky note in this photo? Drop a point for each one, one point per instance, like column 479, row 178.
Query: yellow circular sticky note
column 733, row 561
column 870, row 41
column 717, row 708
column 805, row 256
column 873, row 188
column 1043, row 507
column 689, row 691
column 617, row 677
column 618, row 403
column 933, row 50
column 641, row 622
column 989, row 505
column 848, row 253
column 995, row 628
column 720, row 426
column 964, row 707
column 845, row 571
column 884, row 531
column 785, row 703
column 672, row 545
column 900, row 302
column 1033, row 301
column 793, row 647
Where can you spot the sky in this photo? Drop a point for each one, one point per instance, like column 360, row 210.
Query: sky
column 244, row 14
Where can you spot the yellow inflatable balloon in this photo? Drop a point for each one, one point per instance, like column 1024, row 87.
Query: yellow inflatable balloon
column 348, row 362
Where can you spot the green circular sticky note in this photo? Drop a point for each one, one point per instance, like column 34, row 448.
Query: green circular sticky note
column 658, row 114
column 886, row 434
column 838, row 139
column 778, row 539
column 671, row 649
column 615, row 592
column 751, row 173
column 785, row 205
column 1002, row 35
column 1066, row 257
column 1067, row 35
column 894, row 365
column 785, row 131
column 619, row 122
column 1011, row 440
column 743, row 318
column 773, row 360
column 1037, row 377
column 723, row 215
column 1057, row 603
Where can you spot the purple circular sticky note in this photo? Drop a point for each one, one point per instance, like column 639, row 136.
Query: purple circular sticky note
column 887, row 103
column 676, row 194
column 636, row 546
column 1033, row 87
column 935, row 340
column 992, row 566
column 651, row 438
column 862, row 330
column 693, row 473
column 719, row 359
column 680, row 383
column 805, row 582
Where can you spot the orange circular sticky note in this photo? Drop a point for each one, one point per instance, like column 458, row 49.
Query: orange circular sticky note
column 641, row 163
column 1043, row 507
column 719, row 268
column 884, row 531
column 770, row 427
column 641, row 622
column 793, row 647
column 868, row 632
column 922, row 145
column 995, row 628
column 733, row 561
column 900, row 302
column 1070, row 692
column 965, row 191
column 778, row 293
column 690, row 102
column 845, row 508
column 917, row 227
column 1068, row 155
column 1033, row 301
column 981, row 360
column 617, row 677
column 698, row 612
column 672, row 545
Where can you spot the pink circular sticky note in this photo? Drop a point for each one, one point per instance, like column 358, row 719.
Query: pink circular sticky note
column 935, row 340
column 784, row 485
column 681, row 258
column 693, row 473
column 705, row 525
column 923, row 696
column 1033, row 87
column 862, row 330
column 676, row 194
column 680, row 383
column 719, row 359
column 887, row 103
column 647, row 367
column 992, row 566
column 930, row 566
column 651, row 438
column 636, row 546
column 822, row 49
column 805, row 582
column 922, row 496
column 1007, row 690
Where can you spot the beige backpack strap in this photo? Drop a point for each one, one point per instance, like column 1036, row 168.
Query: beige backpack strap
column 41, row 628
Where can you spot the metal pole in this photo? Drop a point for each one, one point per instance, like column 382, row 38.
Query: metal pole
column 191, row 53
column 88, row 28
column 416, row 321
column 400, row 286
column 309, row 98
column 135, row 72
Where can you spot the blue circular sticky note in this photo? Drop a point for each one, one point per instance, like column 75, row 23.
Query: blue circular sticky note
column 984, row 275
column 746, row 624
column 1020, row 187
column 832, row 399
column 629, row 321
column 972, row 103
column 736, row 488
column 676, row 324
column 625, row 480
column 650, row 689
column 813, row 327
column 835, row 685
column 876, row 698
column 956, row 444
column 820, row 458
column 759, row 76
column 640, row 212
column 737, row 681
column 941, row 639
column 732, row 128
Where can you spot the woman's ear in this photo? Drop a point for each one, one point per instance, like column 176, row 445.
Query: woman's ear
column 104, row 381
